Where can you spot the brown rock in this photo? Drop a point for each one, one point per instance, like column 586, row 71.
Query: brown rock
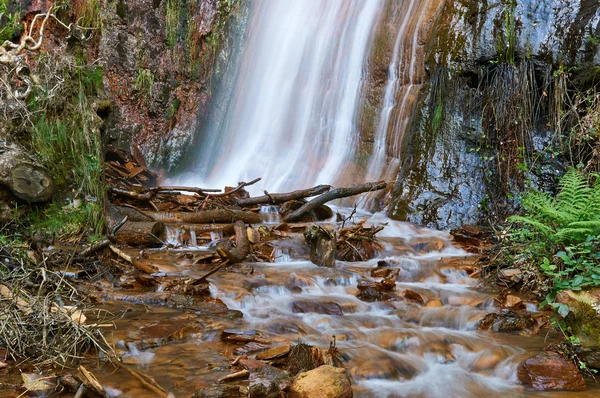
column 434, row 304
column 413, row 296
column 506, row 321
column 276, row 352
column 549, row 371
column 513, row 302
column 387, row 284
column 323, row 382
column 325, row 307
column 381, row 272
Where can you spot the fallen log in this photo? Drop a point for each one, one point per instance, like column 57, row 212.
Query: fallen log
column 278, row 198
column 141, row 234
column 242, row 245
column 336, row 193
column 131, row 214
column 206, row 216
column 26, row 179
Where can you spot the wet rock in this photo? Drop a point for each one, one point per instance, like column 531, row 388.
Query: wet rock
column 264, row 390
column 322, row 242
column 434, row 304
column 243, row 336
column 325, row 307
column 249, row 348
column 387, row 284
column 513, row 302
column 489, row 359
column 276, row 352
column 225, row 391
column 371, row 294
column 164, row 331
column 413, row 296
column 381, row 272
column 506, row 321
column 426, row 245
column 549, row 371
column 323, row 382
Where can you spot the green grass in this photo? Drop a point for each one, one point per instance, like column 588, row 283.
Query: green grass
column 66, row 138
column 13, row 27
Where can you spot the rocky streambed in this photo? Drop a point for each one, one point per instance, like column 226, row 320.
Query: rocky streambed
column 412, row 322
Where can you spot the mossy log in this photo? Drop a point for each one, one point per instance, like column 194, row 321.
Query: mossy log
column 141, row 234
column 25, row 178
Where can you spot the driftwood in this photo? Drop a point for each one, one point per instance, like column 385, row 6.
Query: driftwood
column 278, row 198
column 141, row 234
column 337, row 193
column 26, row 179
column 242, row 245
column 206, row 216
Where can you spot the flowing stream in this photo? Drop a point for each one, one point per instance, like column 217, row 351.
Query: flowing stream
column 422, row 343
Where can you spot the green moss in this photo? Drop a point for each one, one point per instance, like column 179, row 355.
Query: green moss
column 173, row 109
column 584, row 323
column 10, row 22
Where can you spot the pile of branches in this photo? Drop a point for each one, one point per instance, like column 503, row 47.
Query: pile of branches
column 35, row 320
column 358, row 243
column 132, row 184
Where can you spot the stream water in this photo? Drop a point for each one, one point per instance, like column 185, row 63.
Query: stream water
column 406, row 347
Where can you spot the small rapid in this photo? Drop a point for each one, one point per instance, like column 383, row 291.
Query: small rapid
column 419, row 338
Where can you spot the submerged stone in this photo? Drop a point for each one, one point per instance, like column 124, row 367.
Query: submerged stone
column 549, row 371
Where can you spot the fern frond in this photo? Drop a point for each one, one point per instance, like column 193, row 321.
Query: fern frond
column 572, row 234
column 574, row 195
column 538, row 225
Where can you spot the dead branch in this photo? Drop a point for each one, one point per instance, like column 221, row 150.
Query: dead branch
column 337, row 193
column 235, row 190
column 277, row 198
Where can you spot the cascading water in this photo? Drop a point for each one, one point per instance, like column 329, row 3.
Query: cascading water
column 405, row 77
column 292, row 116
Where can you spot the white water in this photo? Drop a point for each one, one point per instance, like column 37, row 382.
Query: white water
column 405, row 75
column 292, row 117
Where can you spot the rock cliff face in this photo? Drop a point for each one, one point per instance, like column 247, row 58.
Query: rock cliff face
column 161, row 59
column 487, row 118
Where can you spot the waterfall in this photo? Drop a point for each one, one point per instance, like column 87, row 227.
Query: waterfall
column 405, row 77
column 292, row 116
